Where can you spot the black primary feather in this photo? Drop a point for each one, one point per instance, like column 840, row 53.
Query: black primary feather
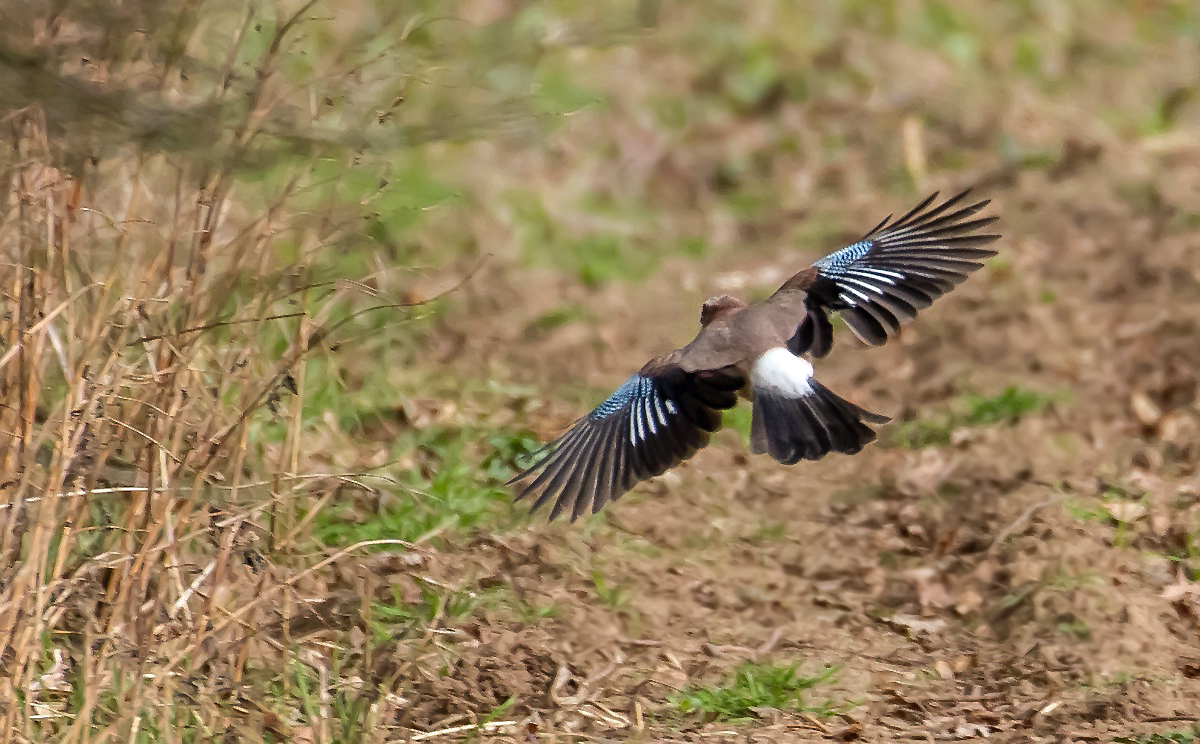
column 894, row 271
column 649, row 425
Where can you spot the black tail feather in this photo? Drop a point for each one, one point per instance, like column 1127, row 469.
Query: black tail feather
column 809, row 427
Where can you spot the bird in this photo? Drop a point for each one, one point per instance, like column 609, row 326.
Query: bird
column 668, row 410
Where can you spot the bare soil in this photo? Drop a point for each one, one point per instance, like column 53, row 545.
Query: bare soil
column 962, row 590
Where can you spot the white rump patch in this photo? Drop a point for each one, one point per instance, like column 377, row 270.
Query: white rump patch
column 781, row 372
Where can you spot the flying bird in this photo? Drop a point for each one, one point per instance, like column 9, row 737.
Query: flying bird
column 666, row 411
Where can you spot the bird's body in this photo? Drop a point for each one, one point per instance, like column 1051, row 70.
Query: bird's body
column 734, row 327
column 663, row 414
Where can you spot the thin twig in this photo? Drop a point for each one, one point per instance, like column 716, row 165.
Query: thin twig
column 211, row 326
column 45, row 321
column 1018, row 524
column 465, row 727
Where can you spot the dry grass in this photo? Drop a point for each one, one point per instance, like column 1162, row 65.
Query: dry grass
column 160, row 320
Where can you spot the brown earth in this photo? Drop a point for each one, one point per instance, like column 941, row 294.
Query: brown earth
column 1014, row 583
column 957, row 588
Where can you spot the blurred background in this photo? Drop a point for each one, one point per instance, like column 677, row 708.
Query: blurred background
column 288, row 290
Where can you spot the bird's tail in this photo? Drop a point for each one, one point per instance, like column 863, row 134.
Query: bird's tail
column 797, row 418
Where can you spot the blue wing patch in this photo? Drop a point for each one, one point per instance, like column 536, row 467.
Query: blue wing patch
column 837, row 262
column 636, row 387
column 856, row 278
column 648, row 409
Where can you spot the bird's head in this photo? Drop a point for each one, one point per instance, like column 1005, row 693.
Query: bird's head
column 717, row 307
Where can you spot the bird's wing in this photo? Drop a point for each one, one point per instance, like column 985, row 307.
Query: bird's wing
column 657, row 419
column 895, row 270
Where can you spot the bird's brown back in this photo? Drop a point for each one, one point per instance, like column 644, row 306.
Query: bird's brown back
column 740, row 336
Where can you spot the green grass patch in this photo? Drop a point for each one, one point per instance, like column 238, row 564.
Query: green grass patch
column 397, row 618
column 1086, row 512
column 771, row 531
column 1123, row 509
column 596, row 256
column 557, row 318
column 970, row 411
column 755, row 686
column 1186, row 554
column 452, row 605
column 1010, row 406
column 1076, row 628
column 610, row 594
column 739, row 419
column 1190, row 736
column 921, row 433
column 448, row 492
column 343, row 707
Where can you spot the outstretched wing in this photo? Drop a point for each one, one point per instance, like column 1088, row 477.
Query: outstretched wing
column 657, row 419
column 895, row 270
